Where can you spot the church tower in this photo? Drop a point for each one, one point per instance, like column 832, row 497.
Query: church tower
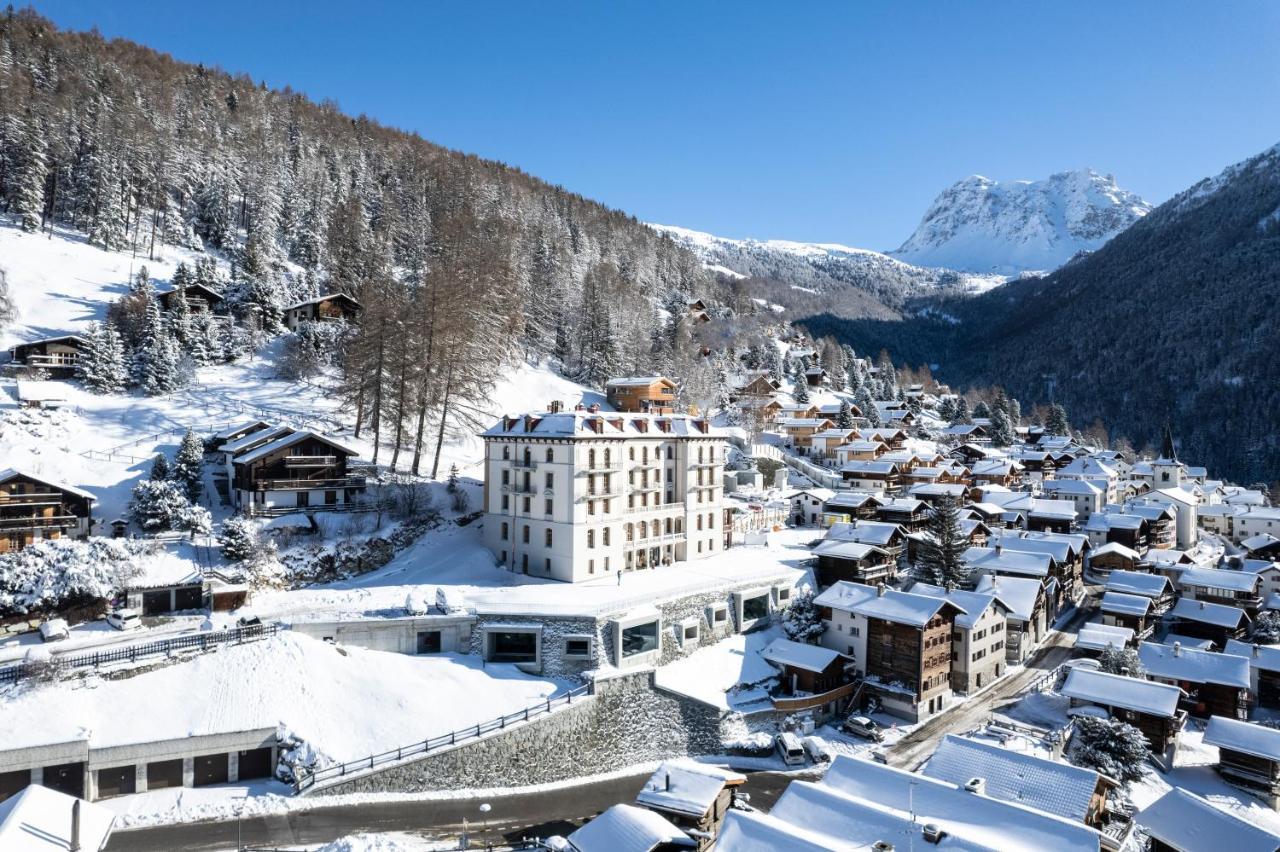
column 1167, row 471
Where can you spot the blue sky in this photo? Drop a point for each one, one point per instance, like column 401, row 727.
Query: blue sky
column 834, row 123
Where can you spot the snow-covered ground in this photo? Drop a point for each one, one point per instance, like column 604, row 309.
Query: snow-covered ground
column 345, row 702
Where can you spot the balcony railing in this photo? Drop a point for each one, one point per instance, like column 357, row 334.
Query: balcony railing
column 39, row 499
column 40, row 523
column 306, row 484
column 310, row 461
column 60, row 360
column 653, row 510
column 523, row 464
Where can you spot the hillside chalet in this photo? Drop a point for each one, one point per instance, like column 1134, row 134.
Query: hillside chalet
column 642, row 394
column 34, row 508
column 201, row 299
column 331, row 307
column 58, row 355
column 291, row 471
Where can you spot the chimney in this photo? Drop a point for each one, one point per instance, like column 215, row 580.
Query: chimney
column 594, row 407
column 556, row 406
column 880, row 590
column 74, row 846
column 1255, row 649
column 1177, row 649
column 1202, row 604
column 579, row 407
column 999, row 545
column 976, row 785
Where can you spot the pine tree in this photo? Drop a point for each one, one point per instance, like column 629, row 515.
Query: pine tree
column 960, row 413
column 157, row 364
column 29, row 190
column 802, row 621
column 1123, row 660
column 1266, row 627
column 187, row 463
column 160, row 469
column 941, row 557
column 1057, row 423
column 1114, row 748
column 867, row 406
column 238, row 540
column 801, row 386
column 844, row 420
column 1002, row 434
column 982, row 410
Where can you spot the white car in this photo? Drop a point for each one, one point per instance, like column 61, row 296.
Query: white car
column 124, row 619
column 54, row 629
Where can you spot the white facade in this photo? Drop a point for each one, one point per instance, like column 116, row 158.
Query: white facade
column 579, row 495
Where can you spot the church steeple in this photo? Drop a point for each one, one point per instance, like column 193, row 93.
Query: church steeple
column 1166, row 447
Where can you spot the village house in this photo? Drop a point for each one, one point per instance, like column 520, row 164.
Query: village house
column 1219, row 586
column 1111, row 557
column 297, row 471
column 573, row 495
column 1255, row 520
column 1219, row 518
column 977, row 642
column 1248, row 755
column 934, row 493
column 995, row 471
column 1026, row 622
column 1094, row 637
column 1084, row 495
column 1262, row 546
column 642, row 394
column 1149, row 706
column 694, row 797
column 1132, row 531
column 332, row 307
column 807, row 506
column 1029, row 781
column 1184, row 507
column 1180, row 821
column 853, row 562
column 200, row 298
column 1157, row 587
column 911, row 515
column 894, row 439
column 808, row 670
column 880, row 477
column 890, row 537
column 860, row 451
column 58, row 355
column 825, row 443
column 799, row 431
column 635, row 829
column 1213, row 684
column 1125, row 610
column 1066, row 552
column 758, row 384
column 848, row 506
column 34, row 507
column 1264, row 670
column 1215, row 622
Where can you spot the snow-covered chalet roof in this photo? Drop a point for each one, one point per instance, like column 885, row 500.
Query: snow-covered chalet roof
column 902, row 607
column 1218, row 578
column 1007, row 560
column 811, row 658
column 12, row 472
column 847, row 549
column 1020, row 594
column 1120, row 603
column 686, row 787
column 1095, row 637
column 290, row 440
column 1204, row 612
column 1012, row 776
column 626, row 828
column 39, row 818
column 1128, row 693
column 1182, row 820
column 1137, row 582
column 971, row 604
column 1246, row 737
column 1118, row 549
column 1265, row 657
column 1173, row 662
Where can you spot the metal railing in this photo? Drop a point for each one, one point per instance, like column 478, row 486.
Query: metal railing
column 340, row 770
column 133, row 653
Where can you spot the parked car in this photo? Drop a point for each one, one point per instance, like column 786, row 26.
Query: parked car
column 249, row 621
column 54, row 629
column 790, row 749
column 818, row 750
column 124, row 619
column 861, row 726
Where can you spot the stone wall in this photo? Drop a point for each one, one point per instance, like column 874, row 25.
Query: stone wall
column 626, row 722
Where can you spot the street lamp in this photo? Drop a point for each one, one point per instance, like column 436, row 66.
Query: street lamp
column 485, row 807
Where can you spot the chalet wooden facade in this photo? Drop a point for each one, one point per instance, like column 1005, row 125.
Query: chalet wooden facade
column 1248, row 755
column 692, row 798
column 201, row 299
column 297, row 471
column 642, row 394
column 913, row 654
column 853, row 561
column 1150, row 707
column 58, row 355
column 33, row 508
column 332, row 307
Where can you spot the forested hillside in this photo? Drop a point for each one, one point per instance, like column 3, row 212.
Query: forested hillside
column 1175, row 318
column 461, row 264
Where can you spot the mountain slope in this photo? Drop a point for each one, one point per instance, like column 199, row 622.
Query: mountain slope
column 982, row 225
column 1173, row 319
column 859, row 282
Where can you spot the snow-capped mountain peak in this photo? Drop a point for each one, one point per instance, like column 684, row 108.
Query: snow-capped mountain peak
column 988, row 226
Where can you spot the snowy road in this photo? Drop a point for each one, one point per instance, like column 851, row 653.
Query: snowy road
column 540, row 813
column 914, row 748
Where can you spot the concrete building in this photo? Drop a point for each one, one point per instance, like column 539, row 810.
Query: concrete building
column 573, row 495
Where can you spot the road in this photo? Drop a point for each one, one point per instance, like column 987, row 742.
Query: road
column 912, row 750
column 535, row 814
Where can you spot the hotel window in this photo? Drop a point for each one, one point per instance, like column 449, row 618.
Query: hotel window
column 591, row 538
column 550, row 479
column 551, row 454
column 527, row 505
column 699, row 522
column 549, row 505
column 506, row 502
column 606, row 457
column 591, row 566
column 506, row 453
column 548, row 538
column 506, row 477
column 606, row 536
column 524, row 535
column 504, row 533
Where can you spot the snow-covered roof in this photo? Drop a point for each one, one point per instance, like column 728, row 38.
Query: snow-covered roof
column 1095, row 636
column 686, row 787
column 1020, row 594
column 1259, row 541
column 752, row 831
column 852, row 499
column 254, row 438
column 325, row 298
column 31, row 390
column 1071, row 486
column 256, row 425
column 844, row 595
column 288, row 441
column 636, row 381
column 1118, row 549
column 1182, row 820
column 1128, row 693
column 11, row 472
column 1217, row 578
column 1266, row 657
column 811, row 658
column 869, row 468
column 1137, row 583
column 821, row 494
column 1012, row 776
column 1006, row 560
column 972, row 820
column 1173, row 662
column 602, row 424
column 1204, row 612
column 1247, row 737
column 847, row 549
column 626, row 828
column 1195, row 642
column 39, row 819
column 1124, row 604
column 971, row 604
column 867, row 532
column 902, row 607
column 1059, row 548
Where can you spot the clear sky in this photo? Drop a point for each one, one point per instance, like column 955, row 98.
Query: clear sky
column 825, row 122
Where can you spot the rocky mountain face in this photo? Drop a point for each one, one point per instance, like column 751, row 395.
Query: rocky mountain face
column 984, row 226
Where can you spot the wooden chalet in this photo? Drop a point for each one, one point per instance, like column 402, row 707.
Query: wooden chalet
column 691, row 796
column 297, row 471
column 1264, row 670
column 58, row 355
column 909, row 648
column 910, row 514
column 1125, row 610
column 853, row 561
column 806, row 669
column 642, row 394
column 34, row 508
column 1213, row 684
column 201, row 299
column 1149, row 706
column 1248, row 755
column 1211, row 621
column 328, row 308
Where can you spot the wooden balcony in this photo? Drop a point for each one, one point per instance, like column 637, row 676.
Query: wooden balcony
column 39, row 523
column 310, row 461
column 38, row 499
column 305, row 484
column 809, row 702
column 61, row 360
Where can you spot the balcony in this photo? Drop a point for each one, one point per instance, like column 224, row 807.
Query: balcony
column 62, row 359
column 310, row 461
column 38, row 499
column 600, row 469
column 306, row 484
column 600, row 495
column 655, row 510
column 522, row 464
column 646, row 488
column 40, row 523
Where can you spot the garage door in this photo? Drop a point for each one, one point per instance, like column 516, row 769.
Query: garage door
column 155, row 603
column 12, row 783
column 66, row 778
column 211, row 769
column 189, row 598
column 117, row 781
column 255, row 763
column 164, row 773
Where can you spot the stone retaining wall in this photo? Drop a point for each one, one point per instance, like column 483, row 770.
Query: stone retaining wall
column 626, row 722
